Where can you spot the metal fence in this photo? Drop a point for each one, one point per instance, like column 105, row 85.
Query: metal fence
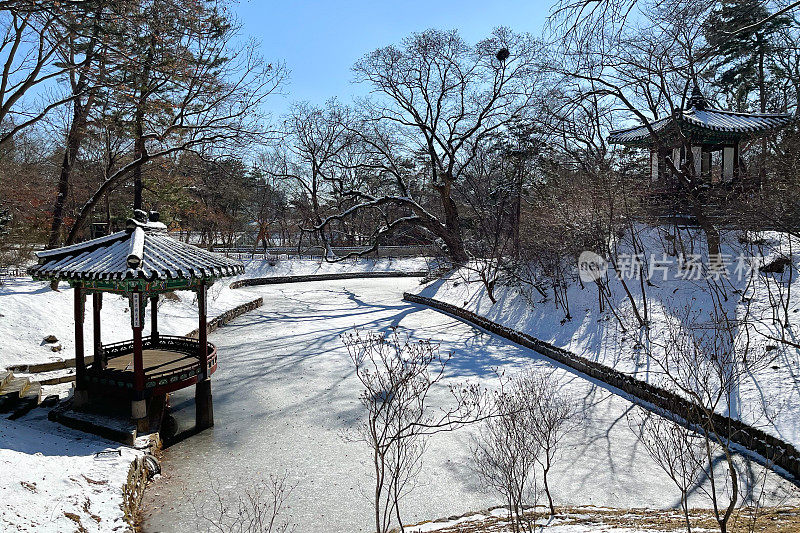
column 318, row 252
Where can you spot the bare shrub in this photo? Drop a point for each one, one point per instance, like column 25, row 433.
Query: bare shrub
column 260, row 508
column 505, row 453
column 678, row 451
column 704, row 357
column 399, row 376
column 530, row 422
column 555, row 414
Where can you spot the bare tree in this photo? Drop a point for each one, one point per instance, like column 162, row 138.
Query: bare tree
column 308, row 156
column 210, row 94
column 32, row 36
column 488, row 196
column 574, row 20
column 439, row 99
column 399, row 377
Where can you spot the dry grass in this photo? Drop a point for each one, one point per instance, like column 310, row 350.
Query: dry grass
column 133, row 494
column 87, row 504
column 77, row 519
column 746, row 520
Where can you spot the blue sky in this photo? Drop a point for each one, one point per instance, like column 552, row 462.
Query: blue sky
column 320, row 41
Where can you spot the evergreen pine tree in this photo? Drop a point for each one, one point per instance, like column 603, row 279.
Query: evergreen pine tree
column 742, row 46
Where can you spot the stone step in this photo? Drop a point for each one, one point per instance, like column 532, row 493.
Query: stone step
column 36, row 368
column 20, row 395
column 15, row 387
column 11, row 392
column 33, row 391
column 28, row 400
column 54, row 377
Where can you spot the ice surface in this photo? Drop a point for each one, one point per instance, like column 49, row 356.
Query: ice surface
column 285, row 400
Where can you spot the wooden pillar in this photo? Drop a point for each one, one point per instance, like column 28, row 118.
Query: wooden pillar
column 728, row 162
column 697, row 159
column 676, row 158
column 203, row 401
column 202, row 332
column 154, row 318
column 204, row 405
column 138, row 404
column 136, row 319
column 81, row 396
column 80, row 362
column 654, row 163
column 97, row 305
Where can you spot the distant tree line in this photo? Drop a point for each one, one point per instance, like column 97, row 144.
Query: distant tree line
column 496, row 151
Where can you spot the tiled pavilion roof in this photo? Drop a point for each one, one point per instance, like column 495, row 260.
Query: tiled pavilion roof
column 703, row 121
column 143, row 251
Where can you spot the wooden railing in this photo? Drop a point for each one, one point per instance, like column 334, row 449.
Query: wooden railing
column 171, row 379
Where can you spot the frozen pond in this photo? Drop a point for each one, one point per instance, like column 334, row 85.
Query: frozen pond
column 285, row 398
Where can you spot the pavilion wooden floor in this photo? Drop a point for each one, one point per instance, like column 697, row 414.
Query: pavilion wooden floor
column 153, row 360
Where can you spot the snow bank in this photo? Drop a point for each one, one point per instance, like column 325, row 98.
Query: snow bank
column 256, row 268
column 768, row 398
column 52, row 480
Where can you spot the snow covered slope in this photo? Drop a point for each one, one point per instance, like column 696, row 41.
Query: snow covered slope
column 767, row 397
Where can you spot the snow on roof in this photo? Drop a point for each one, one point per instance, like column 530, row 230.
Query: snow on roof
column 143, row 251
column 713, row 120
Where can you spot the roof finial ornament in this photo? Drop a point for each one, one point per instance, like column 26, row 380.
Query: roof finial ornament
column 697, row 101
column 140, row 215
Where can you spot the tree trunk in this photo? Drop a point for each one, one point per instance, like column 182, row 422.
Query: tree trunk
column 762, row 97
column 70, row 154
column 547, row 491
column 77, row 131
column 75, row 136
column 452, row 226
column 138, row 147
column 138, row 152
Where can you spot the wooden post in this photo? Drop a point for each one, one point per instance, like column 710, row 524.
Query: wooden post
column 203, row 401
column 728, row 162
column 138, row 364
column 202, row 332
column 154, row 319
column 97, row 305
column 81, row 396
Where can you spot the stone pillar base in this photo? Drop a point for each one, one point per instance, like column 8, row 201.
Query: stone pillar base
column 204, row 405
column 138, row 409
column 139, row 415
column 80, row 398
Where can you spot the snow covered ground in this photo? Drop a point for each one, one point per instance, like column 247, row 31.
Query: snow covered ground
column 286, row 400
column 51, row 479
column 768, row 396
